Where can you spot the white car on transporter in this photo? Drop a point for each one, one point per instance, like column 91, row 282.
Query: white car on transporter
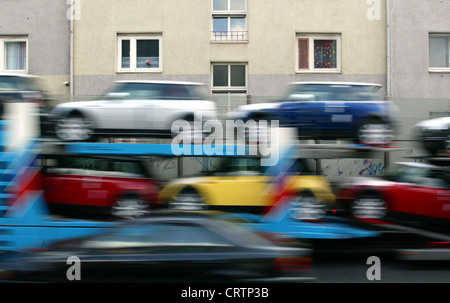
column 134, row 108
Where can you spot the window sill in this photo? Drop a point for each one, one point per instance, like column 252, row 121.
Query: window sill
column 318, row 72
column 10, row 71
column 439, row 70
column 153, row 71
column 228, row 42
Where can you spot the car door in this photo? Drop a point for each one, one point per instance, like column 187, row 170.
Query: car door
column 114, row 114
column 240, row 183
column 61, row 183
column 424, row 194
column 303, row 115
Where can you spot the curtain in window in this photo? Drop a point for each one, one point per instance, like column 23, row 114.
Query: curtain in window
column 303, row 53
column 439, row 50
column 15, row 55
column 325, row 54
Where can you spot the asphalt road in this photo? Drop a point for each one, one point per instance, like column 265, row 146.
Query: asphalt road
column 355, row 268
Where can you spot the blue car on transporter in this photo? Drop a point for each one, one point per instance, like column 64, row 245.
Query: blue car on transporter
column 330, row 110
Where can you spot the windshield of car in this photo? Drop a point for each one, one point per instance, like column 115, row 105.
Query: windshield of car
column 420, row 175
column 175, row 235
column 152, row 91
column 14, row 83
column 332, row 92
column 252, row 166
column 236, row 165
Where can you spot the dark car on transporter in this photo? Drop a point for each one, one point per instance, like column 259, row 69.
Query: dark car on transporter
column 433, row 135
column 330, row 110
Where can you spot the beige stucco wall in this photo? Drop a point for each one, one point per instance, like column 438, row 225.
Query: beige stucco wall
column 186, row 25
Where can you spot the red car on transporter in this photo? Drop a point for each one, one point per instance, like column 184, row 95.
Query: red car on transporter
column 118, row 186
column 417, row 192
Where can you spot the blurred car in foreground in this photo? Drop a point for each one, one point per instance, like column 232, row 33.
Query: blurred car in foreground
column 330, row 110
column 113, row 185
column 134, row 108
column 169, row 247
column 25, row 88
column 433, row 135
column 415, row 192
column 241, row 184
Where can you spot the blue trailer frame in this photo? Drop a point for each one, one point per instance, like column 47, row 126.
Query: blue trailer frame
column 26, row 224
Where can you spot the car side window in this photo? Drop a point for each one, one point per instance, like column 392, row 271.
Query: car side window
column 438, row 179
column 7, row 83
column 161, row 237
column 240, row 166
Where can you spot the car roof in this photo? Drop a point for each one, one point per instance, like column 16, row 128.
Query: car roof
column 159, row 82
column 337, row 83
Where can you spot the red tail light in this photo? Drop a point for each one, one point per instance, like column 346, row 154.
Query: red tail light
column 438, row 245
column 293, row 264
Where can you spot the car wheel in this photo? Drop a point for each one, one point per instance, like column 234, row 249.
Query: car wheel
column 188, row 199
column 306, row 206
column 375, row 132
column 129, row 206
column 74, row 127
column 369, row 206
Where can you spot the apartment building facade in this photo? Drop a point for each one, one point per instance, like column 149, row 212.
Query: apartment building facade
column 239, row 48
column 35, row 39
column 419, row 55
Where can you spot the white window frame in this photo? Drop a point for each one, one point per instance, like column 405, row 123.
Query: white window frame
column 230, row 92
column 439, row 69
column 311, row 38
column 229, row 14
column 229, row 88
column 4, row 39
column 133, row 46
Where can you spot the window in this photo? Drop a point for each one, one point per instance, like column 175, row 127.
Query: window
column 318, row 53
column 14, row 54
column 439, row 52
column 229, row 21
column 229, row 85
column 140, row 53
column 229, row 76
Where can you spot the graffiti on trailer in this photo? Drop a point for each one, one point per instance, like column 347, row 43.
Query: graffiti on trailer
column 351, row 167
column 372, row 169
column 162, row 163
column 207, row 165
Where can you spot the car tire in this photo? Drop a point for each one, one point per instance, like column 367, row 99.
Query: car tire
column 75, row 127
column 128, row 206
column 188, row 199
column 369, row 205
column 374, row 132
column 306, row 206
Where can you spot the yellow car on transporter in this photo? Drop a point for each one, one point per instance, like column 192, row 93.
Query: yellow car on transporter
column 240, row 184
